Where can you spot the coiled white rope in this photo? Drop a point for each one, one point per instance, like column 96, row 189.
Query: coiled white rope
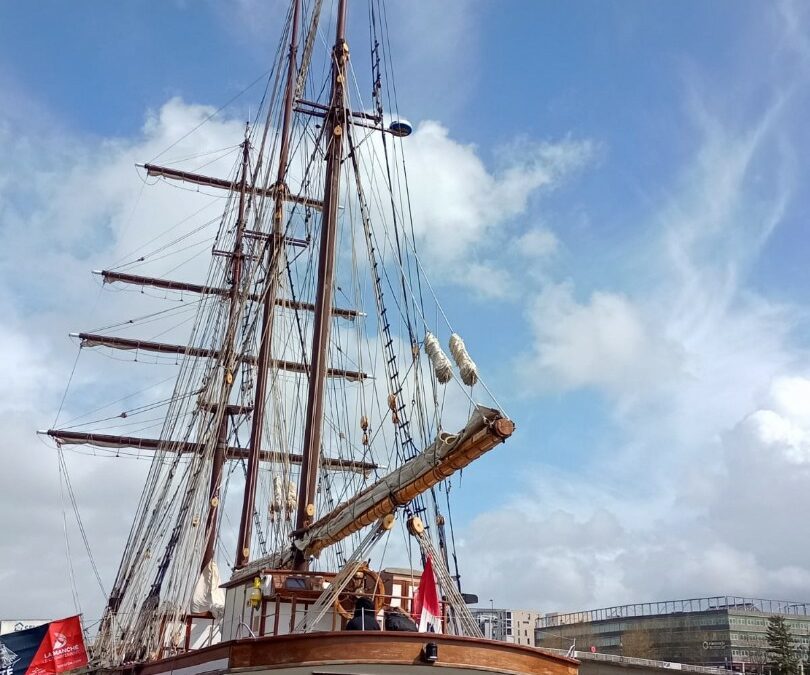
column 466, row 366
column 441, row 364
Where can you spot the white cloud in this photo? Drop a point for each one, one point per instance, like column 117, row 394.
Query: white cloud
column 24, row 358
column 485, row 280
column 459, row 204
column 539, row 243
column 69, row 205
column 791, row 396
column 706, row 466
column 580, row 540
column 466, row 214
column 606, row 342
column 794, row 16
column 777, row 434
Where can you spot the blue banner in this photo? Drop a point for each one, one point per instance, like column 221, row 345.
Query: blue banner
column 17, row 650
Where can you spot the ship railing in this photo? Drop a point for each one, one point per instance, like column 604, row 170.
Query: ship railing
column 275, row 616
column 272, row 620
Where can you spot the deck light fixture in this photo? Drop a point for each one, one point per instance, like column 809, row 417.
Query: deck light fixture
column 430, row 652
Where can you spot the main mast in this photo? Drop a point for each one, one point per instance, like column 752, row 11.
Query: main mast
column 265, row 350
column 334, row 133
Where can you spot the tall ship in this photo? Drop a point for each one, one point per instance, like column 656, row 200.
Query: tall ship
column 318, row 404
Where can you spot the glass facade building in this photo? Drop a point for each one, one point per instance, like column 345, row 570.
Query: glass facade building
column 727, row 632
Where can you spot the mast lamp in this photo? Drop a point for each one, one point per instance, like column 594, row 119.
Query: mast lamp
column 400, row 128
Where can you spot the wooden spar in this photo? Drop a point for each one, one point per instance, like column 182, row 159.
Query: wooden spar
column 281, row 193
column 209, row 181
column 334, row 134
column 441, row 459
column 96, row 340
column 446, row 455
column 304, row 104
column 120, row 277
column 64, row 437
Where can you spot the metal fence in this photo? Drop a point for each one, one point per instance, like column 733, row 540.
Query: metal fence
column 633, row 661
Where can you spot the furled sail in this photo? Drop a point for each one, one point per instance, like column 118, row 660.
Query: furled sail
column 208, row 597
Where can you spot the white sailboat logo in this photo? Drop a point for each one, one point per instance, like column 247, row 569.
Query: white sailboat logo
column 7, row 658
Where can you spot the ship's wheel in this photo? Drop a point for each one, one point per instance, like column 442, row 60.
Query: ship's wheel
column 367, row 583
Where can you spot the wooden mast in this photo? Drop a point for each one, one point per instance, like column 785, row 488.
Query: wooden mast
column 265, row 356
column 334, row 134
column 228, row 354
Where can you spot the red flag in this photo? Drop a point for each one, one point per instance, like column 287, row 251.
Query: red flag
column 61, row 650
column 426, row 608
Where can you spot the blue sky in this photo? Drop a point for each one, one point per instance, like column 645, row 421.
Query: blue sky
column 651, row 288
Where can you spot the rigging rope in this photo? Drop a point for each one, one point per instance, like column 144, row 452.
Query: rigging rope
column 213, row 114
column 72, row 497
column 71, row 573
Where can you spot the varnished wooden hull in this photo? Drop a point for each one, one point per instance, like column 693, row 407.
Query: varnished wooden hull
column 360, row 653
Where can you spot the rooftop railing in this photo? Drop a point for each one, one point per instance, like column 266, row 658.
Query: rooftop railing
column 719, row 602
